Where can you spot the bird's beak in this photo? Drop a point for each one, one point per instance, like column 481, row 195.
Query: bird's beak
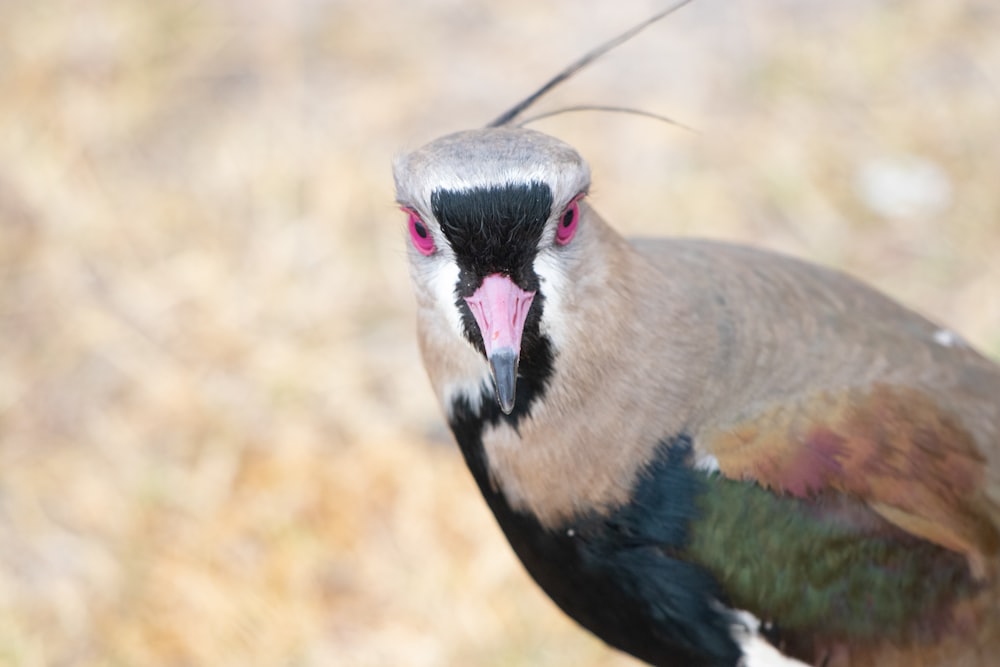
column 501, row 308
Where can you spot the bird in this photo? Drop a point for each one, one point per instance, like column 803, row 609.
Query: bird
column 695, row 447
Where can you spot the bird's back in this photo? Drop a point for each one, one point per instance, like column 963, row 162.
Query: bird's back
column 788, row 329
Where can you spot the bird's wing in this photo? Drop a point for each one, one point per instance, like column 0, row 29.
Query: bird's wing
column 858, row 454
column 829, row 386
column 892, row 447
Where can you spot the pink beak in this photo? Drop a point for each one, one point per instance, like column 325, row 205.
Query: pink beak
column 501, row 308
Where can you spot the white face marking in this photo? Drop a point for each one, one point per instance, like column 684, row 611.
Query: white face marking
column 487, row 158
column 471, row 177
column 553, row 281
column 443, row 281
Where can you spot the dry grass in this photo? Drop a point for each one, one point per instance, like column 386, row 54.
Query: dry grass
column 217, row 446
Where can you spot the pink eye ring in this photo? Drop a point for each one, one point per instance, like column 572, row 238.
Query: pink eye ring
column 420, row 234
column 568, row 221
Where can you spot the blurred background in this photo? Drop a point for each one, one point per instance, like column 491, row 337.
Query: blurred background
column 217, row 443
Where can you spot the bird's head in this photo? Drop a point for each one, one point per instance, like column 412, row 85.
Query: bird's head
column 494, row 222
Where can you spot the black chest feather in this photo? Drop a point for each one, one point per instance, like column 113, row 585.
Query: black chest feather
column 619, row 575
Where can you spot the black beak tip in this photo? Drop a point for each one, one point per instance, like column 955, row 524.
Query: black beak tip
column 503, row 366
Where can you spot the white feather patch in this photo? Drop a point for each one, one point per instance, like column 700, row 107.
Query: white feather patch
column 947, row 338
column 443, row 278
column 706, row 463
column 757, row 651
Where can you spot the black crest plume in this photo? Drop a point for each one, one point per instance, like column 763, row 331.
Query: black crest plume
column 511, row 114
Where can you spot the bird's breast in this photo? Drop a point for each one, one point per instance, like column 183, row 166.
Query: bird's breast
column 604, row 567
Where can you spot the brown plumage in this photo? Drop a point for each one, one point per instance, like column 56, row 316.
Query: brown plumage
column 664, row 386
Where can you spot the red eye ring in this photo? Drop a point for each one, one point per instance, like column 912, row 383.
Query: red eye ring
column 420, row 235
column 568, row 222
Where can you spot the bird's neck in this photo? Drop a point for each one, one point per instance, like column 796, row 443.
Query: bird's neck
column 585, row 381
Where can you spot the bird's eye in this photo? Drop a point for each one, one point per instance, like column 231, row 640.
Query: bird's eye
column 419, row 234
column 567, row 223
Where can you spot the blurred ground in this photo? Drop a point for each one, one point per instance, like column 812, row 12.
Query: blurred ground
column 217, row 445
